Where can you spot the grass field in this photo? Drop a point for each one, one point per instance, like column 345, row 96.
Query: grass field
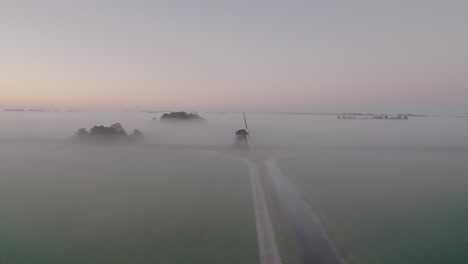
column 109, row 204
column 384, row 206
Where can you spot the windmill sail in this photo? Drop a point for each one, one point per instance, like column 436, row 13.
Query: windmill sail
column 245, row 121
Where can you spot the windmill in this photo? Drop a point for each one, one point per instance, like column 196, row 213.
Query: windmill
column 242, row 138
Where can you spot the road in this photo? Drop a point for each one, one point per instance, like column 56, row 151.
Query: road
column 268, row 249
column 314, row 243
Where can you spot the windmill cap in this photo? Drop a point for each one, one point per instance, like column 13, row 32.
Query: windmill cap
column 242, row 132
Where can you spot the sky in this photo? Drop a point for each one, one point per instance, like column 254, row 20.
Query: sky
column 319, row 56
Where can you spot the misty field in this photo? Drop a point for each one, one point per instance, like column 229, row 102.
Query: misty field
column 388, row 206
column 63, row 203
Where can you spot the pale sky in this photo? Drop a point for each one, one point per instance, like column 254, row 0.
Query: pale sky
column 321, row 56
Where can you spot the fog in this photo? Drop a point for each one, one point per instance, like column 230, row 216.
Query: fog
column 63, row 202
column 265, row 129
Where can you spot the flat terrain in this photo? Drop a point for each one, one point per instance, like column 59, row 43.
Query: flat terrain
column 388, row 205
column 116, row 204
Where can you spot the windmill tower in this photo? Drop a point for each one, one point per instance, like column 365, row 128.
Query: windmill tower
column 242, row 138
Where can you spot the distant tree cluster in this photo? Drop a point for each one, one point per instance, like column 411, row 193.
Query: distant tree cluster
column 181, row 116
column 399, row 117
column 115, row 131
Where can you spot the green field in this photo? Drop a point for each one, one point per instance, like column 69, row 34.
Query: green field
column 386, row 206
column 111, row 204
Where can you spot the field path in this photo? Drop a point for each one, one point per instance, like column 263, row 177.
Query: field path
column 268, row 249
column 316, row 247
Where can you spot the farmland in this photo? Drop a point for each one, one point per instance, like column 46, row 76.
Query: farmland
column 386, row 206
column 116, row 204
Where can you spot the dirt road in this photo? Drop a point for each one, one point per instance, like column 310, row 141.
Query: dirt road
column 268, row 249
column 314, row 243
